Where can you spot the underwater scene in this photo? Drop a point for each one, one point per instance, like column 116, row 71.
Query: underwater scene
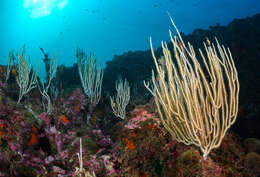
column 109, row 88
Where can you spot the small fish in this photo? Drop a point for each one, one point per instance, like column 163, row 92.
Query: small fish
column 129, row 143
column 151, row 126
column 34, row 129
column 157, row 5
column 64, row 119
column 33, row 139
column 132, row 135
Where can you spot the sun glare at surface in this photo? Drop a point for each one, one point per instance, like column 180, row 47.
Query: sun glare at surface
column 39, row 8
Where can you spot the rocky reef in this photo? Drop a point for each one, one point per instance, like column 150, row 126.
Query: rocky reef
column 34, row 143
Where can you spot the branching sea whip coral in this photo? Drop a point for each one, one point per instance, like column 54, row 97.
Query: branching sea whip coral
column 194, row 108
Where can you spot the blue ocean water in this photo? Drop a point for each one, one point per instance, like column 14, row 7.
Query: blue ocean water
column 105, row 27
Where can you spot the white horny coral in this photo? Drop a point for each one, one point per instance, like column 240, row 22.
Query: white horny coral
column 195, row 106
column 26, row 77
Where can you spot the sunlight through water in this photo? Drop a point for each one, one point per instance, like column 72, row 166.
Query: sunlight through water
column 40, row 8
